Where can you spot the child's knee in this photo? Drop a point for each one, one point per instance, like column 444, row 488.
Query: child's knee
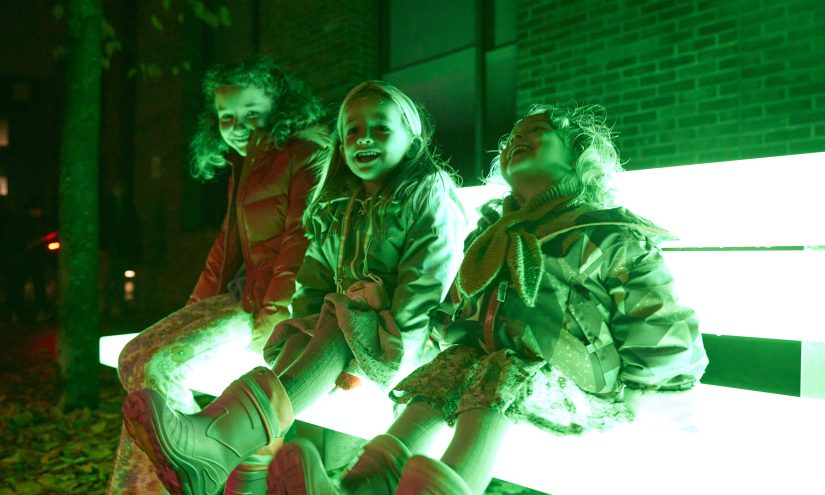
column 130, row 365
column 139, row 365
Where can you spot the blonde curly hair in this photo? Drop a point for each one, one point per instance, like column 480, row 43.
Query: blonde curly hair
column 590, row 141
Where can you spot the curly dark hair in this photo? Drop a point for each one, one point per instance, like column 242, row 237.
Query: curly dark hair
column 294, row 108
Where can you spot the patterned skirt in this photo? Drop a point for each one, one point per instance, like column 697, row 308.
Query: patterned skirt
column 465, row 377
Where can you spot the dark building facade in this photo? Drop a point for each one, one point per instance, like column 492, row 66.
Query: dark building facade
column 683, row 83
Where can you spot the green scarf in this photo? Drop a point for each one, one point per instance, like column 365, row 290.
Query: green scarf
column 508, row 240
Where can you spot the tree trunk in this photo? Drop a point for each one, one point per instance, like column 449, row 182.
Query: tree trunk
column 78, row 196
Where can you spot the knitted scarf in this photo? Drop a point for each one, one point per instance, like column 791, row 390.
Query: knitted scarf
column 507, row 240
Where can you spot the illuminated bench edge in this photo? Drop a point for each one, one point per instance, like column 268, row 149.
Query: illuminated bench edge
column 730, row 420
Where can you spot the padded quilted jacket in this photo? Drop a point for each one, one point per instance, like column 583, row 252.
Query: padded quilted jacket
column 262, row 229
column 607, row 313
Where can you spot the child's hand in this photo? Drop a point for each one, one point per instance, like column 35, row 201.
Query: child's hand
column 262, row 328
column 347, row 381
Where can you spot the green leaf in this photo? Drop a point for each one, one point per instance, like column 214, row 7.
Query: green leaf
column 167, row 4
column 108, row 30
column 223, row 16
column 57, row 11
column 28, row 488
column 100, row 453
column 47, row 480
column 199, row 9
column 50, row 455
column 156, row 22
column 111, row 47
column 153, row 71
column 132, row 72
column 175, row 70
column 186, row 66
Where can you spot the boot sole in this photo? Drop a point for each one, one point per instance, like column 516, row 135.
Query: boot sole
column 137, row 414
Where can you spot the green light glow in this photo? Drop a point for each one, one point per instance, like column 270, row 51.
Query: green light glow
column 740, row 445
column 232, row 363
column 767, row 294
column 772, row 201
column 775, row 201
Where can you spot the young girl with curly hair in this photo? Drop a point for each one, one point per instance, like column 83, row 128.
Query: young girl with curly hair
column 568, row 321
column 385, row 227
column 263, row 125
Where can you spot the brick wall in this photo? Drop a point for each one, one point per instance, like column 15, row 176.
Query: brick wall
column 684, row 82
column 331, row 44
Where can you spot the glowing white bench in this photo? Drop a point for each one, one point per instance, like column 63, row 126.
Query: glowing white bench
column 748, row 442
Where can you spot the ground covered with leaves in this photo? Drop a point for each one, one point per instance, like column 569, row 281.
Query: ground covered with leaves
column 42, row 449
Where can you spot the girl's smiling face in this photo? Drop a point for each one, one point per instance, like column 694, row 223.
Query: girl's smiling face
column 241, row 109
column 374, row 138
column 535, row 152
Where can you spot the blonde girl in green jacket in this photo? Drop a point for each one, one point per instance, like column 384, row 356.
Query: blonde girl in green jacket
column 568, row 321
column 385, row 242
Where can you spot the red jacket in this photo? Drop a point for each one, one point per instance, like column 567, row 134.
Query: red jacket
column 262, row 229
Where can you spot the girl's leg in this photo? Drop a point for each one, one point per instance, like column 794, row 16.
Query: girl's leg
column 473, row 449
column 293, row 348
column 315, row 371
column 162, row 357
column 133, row 473
column 184, row 344
column 417, row 426
column 250, row 416
column 466, row 467
column 250, row 475
column 379, row 467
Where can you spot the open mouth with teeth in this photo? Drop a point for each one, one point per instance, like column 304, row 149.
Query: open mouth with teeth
column 518, row 149
column 241, row 141
column 366, row 156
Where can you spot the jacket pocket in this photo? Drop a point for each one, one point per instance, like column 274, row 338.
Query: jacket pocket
column 586, row 352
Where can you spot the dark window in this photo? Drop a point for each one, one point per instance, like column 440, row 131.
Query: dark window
column 459, row 60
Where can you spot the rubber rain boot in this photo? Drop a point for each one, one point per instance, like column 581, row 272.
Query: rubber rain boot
column 425, row 476
column 194, row 454
column 297, row 469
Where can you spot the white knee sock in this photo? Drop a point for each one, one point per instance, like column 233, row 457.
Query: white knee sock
column 417, row 426
column 475, row 444
column 314, row 373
